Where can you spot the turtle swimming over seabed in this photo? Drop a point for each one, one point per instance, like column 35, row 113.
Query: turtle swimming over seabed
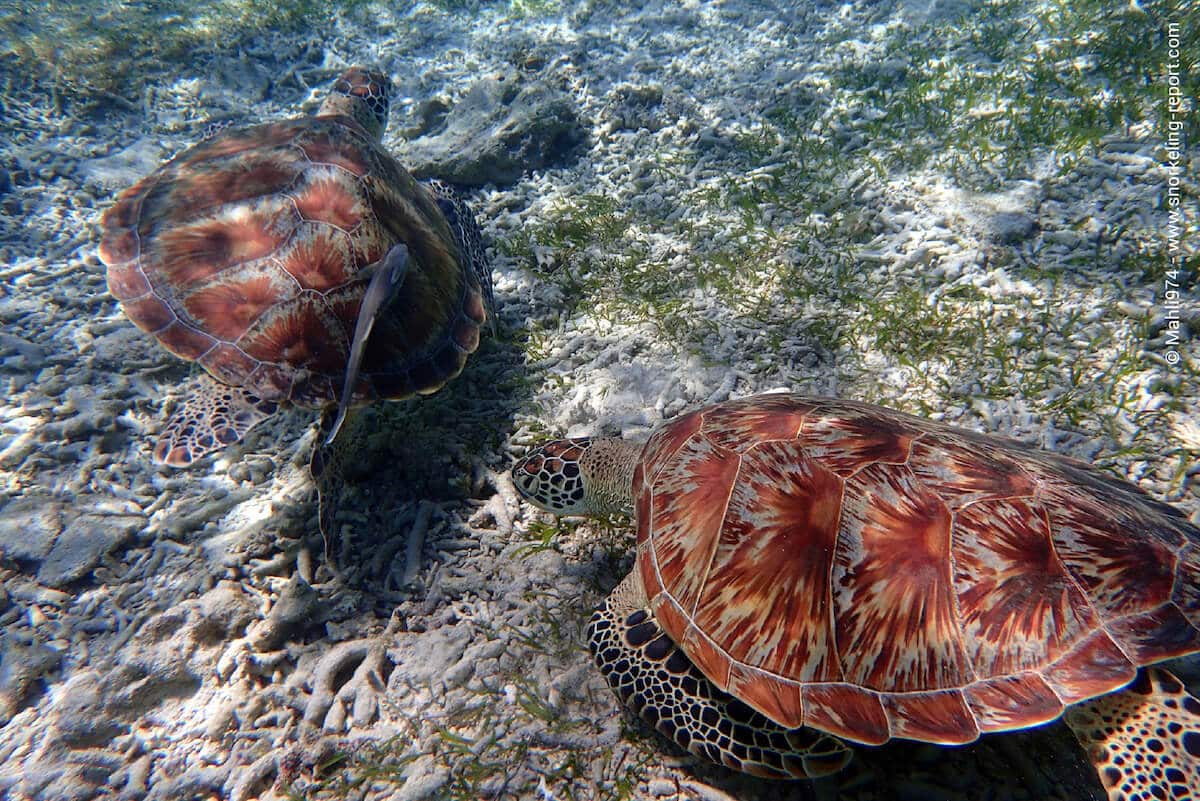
column 298, row 263
column 814, row 572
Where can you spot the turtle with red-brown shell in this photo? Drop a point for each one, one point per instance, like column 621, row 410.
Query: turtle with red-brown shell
column 813, row 573
column 297, row 262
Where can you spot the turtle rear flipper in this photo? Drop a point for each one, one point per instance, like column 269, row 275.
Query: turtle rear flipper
column 1144, row 740
column 212, row 416
column 332, row 453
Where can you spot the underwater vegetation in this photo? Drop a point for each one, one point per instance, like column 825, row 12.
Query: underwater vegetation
column 954, row 210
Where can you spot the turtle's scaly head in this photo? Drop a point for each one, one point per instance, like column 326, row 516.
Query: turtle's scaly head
column 362, row 94
column 550, row 476
column 579, row 476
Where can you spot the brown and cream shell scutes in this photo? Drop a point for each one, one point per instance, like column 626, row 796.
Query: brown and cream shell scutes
column 246, row 254
column 875, row 575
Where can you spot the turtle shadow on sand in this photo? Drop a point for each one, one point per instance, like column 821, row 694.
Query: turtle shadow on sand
column 1041, row 764
column 391, row 459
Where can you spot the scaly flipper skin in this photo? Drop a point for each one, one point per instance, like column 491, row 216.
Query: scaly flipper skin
column 1144, row 740
column 211, row 416
column 470, row 240
column 650, row 674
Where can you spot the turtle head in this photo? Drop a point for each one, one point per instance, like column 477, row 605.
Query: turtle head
column 581, row 476
column 362, row 94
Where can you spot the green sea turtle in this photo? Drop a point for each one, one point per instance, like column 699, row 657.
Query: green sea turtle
column 297, row 262
column 814, row 572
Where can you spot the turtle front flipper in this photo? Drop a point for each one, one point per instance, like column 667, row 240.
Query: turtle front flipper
column 1144, row 740
column 656, row 679
column 469, row 238
column 386, row 278
column 212, row 416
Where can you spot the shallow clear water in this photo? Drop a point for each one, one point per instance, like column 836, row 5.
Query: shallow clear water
column 978, row 213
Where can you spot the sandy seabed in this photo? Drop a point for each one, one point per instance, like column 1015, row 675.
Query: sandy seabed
column 184, row 634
